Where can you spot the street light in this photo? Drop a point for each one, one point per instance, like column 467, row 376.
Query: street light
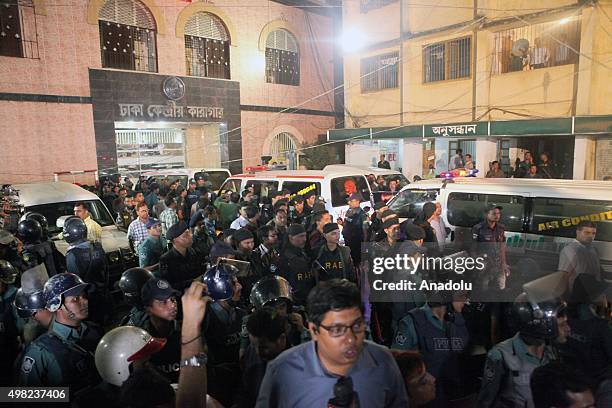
column 352, row 39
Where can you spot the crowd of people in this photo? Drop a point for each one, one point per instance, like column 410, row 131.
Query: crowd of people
column 244, row 304
column 529, row 167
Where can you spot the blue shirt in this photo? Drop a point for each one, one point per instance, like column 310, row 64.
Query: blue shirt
column 296, row 378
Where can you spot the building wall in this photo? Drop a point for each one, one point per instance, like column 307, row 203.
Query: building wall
column 552, row 92
column 68, row 41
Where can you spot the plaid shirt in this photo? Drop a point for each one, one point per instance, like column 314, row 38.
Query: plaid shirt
column 137, row 232
column 168, row 218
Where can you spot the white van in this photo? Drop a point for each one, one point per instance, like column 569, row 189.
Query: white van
column 386, row 174
column 57, row 199
column 333, row 185
column 540, row 216
column 215, row 175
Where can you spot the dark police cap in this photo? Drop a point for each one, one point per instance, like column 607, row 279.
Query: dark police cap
column 332, row 226
column 176, row 230
column 413, row 232
column 221, row 250
column 295, row 229
column 157, row 289
column 241, row 235
column 390, row 223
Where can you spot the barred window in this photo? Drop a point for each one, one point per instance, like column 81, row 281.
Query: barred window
column 367, row 5
column 447, row 60
column 207, row 47
column 379, row 72
column 18, row 29
column 537, row 46
column 282, row 58
column 128, row 36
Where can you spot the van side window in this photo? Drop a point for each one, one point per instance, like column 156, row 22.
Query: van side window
column 467, row 209
column 262, row 188
column 301, row 187
column 409, row 203
column 343, row 187
column 559, row 217
column 232, row 185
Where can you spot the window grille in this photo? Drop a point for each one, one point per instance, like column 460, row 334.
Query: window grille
column 534, row 46
column 282, row 59
column 447, row 60
column 379, row 72
column 281, row 145
column 18, row 37
column 207, row 47
column 128, row 36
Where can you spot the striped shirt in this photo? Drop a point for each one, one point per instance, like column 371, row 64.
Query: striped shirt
column 168, row 218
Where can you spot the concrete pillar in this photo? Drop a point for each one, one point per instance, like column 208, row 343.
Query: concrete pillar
column 411, row 152
column 584, row 158
column 486, row 151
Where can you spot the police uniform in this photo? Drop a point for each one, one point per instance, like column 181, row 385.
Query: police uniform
column 151, row 250
column 505, row 381
column 440, row 342
column 488, row 242
column 353, row 231
column 63, row 356
column 179, row 270
column 8, row 334
column 43, row 252
column 88, row 261
column 221, row 329
column 337, row 264
column 137, row 316
column 168, row 360
column 294, row 265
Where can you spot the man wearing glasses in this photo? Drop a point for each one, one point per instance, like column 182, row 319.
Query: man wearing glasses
column 305, row 375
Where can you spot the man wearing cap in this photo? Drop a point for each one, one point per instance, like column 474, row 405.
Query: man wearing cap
column 355, row 227
column 295, row 265
column 64, row 355
column 152, row 248
column 489, row 241
column 182, row 263
column 245, row 243
column 333, row 260
column 298, row 213
column 159, row 299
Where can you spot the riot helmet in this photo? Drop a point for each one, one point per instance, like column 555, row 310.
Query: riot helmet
column 42, row 220
column 131, row 283
column 220, row 281
column 75, row 230
column 122, row 346
column 8, row 273
column 60, row 285
column 537, row 320
column 29, row 231
column 27, row 304
column 269, row 289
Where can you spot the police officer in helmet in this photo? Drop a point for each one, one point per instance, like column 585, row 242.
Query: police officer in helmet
column 131, row 283
column 221, row 328
column 31, row 307
column 64, row 355
column 510, row 363
column 88, row 261
column 37, row 249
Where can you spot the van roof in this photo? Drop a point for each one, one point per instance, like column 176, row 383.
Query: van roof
column 361, row 169
column 298, row 174
column 553, row 187
column 51, row 192
column 172, row 172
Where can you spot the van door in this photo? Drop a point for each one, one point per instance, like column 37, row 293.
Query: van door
column 342, row 187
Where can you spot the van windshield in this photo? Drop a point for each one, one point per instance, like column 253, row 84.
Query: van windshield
column 409, row 203
column 53, row 211
column 216, row 178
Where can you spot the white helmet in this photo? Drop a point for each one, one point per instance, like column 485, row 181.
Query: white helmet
column 122, row 346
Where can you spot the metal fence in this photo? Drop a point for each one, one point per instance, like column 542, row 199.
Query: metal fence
column 447, row 60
